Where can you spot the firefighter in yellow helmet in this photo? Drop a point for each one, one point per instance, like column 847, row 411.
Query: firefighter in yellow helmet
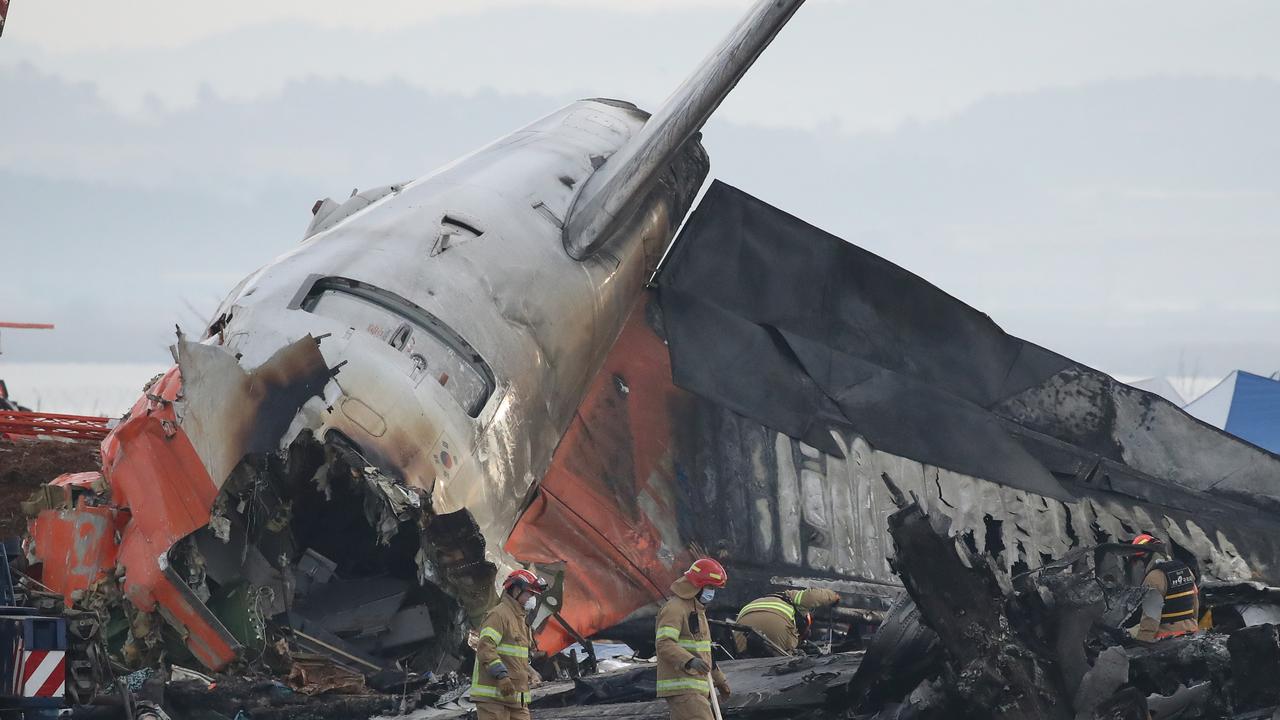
column 781, row 617
column 1174, row 608
column 500, row 680
column 685, row 669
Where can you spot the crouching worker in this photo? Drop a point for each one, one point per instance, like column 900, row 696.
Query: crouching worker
column 782, row 617
column 1172, row 607
column 500, row 680
column 685, row 668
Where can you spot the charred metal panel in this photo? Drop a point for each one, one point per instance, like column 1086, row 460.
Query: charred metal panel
column 828, row 338
column 1144, row 431
column 1230, row 541
column 781, row 513
column 993, row 675
column 229, row 412
column 826, row 335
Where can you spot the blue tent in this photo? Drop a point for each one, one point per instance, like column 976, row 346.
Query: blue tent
column 1245, row 405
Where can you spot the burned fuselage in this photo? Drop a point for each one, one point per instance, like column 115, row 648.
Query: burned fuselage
column 456, row 322
column 461, row 333
column 377, row 404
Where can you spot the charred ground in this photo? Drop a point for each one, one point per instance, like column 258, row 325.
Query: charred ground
column 27, row 464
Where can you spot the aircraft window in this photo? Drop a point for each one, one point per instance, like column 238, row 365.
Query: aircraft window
column 435, row 349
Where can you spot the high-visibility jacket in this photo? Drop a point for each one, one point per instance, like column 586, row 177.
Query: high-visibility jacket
column 774, row 616
column 682, row 633
column 1180, row 613
column 505, row 638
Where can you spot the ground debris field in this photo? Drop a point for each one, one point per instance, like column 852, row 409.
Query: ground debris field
column 26, row 464
column 962, row 641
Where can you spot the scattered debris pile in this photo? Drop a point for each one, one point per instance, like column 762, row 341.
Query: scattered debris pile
column 339, row 593
column 221, row 534
column 1051, row 643
column 319, row 568
column 326, row 550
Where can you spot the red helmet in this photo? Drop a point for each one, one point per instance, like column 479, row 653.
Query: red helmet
column 1145, row 539
column 525, row 580
column 804, row 621
column 706, row 572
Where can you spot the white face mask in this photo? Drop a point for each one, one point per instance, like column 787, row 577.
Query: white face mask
column 530, row 603
column 707, row 595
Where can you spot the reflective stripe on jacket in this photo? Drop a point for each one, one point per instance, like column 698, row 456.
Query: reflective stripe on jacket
column 505, row 639
column 1180, row 594
column 774, row 616
column 682, row 633
column 1180, row 602
column 771, row 604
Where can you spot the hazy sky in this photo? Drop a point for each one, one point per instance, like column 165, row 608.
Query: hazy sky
column 859, row 64
column 1101, row 178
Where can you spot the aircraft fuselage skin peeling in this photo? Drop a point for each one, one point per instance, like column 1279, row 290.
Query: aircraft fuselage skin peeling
column 464, row 335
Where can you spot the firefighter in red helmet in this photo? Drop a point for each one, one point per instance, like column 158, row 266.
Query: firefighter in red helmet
column 1174, row 607
column 686, row 671
column 500, row 680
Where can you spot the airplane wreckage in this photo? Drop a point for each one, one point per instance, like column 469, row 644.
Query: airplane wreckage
column 517, row 361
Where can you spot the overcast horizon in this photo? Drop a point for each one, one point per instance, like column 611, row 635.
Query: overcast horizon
column 1101, row 180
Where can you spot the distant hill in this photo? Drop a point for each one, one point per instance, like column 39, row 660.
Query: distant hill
column 1125, row 224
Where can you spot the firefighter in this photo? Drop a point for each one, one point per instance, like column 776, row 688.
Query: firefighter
column 500, row 680
column 782, row 617
column 685, row 668
column 1174, row 608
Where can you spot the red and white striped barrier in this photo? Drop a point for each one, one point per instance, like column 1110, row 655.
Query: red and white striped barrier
column 71, row 427
column 44, row 673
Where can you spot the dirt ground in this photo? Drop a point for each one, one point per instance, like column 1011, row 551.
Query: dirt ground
column 27, row 464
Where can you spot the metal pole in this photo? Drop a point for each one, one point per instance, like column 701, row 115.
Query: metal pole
column 715, row 701
column 831, row 631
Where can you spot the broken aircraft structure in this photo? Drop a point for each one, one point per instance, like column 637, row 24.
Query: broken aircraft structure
column 471, row 371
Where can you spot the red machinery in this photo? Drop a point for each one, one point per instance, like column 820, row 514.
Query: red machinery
column 39, row 424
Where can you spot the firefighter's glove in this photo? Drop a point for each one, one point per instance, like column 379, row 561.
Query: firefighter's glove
column 499, row 670
column 697, row 665
column 506, row 686
column 722, row 689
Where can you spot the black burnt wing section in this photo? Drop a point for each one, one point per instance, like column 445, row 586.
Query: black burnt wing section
column 796, row 328
column 791, row 326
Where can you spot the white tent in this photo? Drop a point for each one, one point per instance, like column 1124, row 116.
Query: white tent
column 1162, row 387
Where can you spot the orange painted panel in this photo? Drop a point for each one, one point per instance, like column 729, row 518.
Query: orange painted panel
column 606, row 506
column 76, row 546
